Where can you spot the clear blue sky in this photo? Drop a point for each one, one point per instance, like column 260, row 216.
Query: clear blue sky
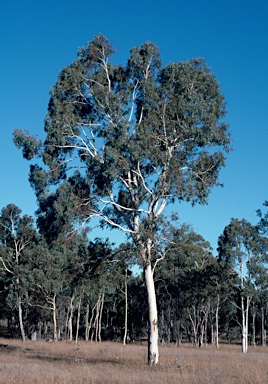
column 38, row 38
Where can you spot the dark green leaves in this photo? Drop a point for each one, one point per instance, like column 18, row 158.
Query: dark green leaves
column 30, row 145
column 139, row 136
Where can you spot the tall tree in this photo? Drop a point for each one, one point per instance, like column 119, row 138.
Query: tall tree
column 134, row 138
column 17, row 235
column 259, row 270
column 185, row 280
column 236, row 246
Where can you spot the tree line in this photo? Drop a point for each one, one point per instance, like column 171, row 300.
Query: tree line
column 121, row 143
column 67, row 287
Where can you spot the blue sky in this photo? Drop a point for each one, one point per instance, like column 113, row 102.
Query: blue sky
column 38, row 38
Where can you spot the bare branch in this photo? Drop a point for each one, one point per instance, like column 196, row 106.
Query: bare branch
column 5, row 266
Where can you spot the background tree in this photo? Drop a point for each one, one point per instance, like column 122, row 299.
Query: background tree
column 185, row 282
column 134, row 138
column 237, row 245
column 17, row 236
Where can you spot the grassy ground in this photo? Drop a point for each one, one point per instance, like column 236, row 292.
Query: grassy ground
column 62, row 363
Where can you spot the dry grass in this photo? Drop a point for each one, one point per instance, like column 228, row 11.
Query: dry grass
column 62, row 363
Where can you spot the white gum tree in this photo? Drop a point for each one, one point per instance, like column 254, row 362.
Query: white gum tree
column 17, row 233
column 128, row 140
column 239, row 242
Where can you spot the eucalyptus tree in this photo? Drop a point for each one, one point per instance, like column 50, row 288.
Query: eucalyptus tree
column 123, row 259
column 134, row 138
column 185, row 282
column 236, row 247
column 54, row 278
column 259, row 270
column 17, row 237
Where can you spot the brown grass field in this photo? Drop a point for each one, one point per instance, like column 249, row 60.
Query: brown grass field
column 41, row 362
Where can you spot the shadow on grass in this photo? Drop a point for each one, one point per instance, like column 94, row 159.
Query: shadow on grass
column 72, row 359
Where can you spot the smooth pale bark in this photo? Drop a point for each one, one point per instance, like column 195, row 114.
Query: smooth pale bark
column 217, row 322
column 153, row 353
column 96, row 311
column 70, row 320
column 87, row 323
column 21, row 320
column 245, row 310
column 254, row 326
column 100, row 318
column 78, row 320
column 126, row 308
column 54, row 309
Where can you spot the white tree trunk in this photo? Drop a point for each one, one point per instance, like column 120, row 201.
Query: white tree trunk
column 126, row 307
column 54, row 309
column 245, row 310
column 20, row 319
column 87, row 323
column 217, row 322
column 153, row 353
column 100, row 318
column 254, row 326
column 78, row 320
column 243, row 326
column 70, row 319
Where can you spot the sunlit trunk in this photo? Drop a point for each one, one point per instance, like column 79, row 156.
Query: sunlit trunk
column 78, row 320
column 54, row 308
column 100, row 318
column 153, row 353
column 217, row 322
column 87, row 324
column 126, row 308
column 21, row 319
column 245, row 309
column 70, row 319
column 254, row 326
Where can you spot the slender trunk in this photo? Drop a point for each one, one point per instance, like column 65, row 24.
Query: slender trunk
column 70, row 319
column 243, row 327
column 54, row 308
column 247, row 320
column 162, row 331
column 87, row 323
column 22, row 331
column 100, row 318
column 205, row 340
column 97, row 317
column 263, row 330
column 244, row 309
column 78, row 320
column 89, row 326
column 254, row 326
column 126, row 308
column 195, row 324
column 212, row 334
column 217, row 322
column 153, row 353
column 201, row 334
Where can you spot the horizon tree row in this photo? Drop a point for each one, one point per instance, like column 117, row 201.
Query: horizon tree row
column 72, row 288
